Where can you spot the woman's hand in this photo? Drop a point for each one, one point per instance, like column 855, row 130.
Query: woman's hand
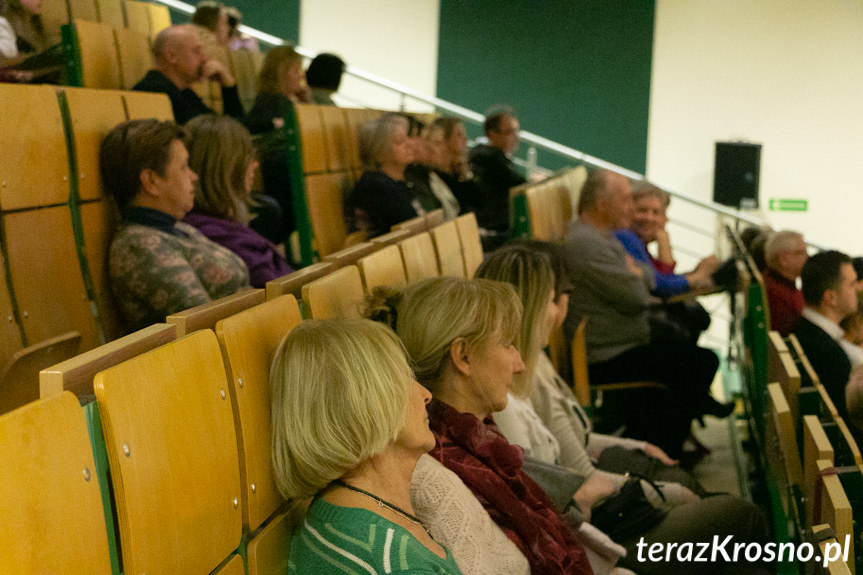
column 657, row 453
column 598, row 486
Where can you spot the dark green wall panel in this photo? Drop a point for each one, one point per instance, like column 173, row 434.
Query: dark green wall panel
column 577, row 72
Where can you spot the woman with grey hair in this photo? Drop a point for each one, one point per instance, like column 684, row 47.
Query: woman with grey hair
column 382, row 198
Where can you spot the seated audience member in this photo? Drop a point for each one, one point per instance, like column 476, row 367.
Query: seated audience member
column 221, row 154
column 324, row 76
column 613, row 292
column 25, row 19
column 236, row 39
column 647, row 226
column 830, row 292
column 852, row 325
column 381, row 197
column 455, row 170
column 785, row 254
column 212, row 22
column 349, row 425
column 458, row 334
column 179, row 62
column 159, row 265
column 494, row 171
column 543, row 416
column 281, row 84
column 428, row 187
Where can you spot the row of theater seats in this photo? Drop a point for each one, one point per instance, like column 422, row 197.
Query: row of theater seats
column 799, row 439
column 181, row 421
column 543, row 210
column 145, row 18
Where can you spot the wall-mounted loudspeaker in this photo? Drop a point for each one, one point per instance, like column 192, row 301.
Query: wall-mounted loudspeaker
column 735, row 174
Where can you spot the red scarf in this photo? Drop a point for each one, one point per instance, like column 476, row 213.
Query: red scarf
column 490, row 466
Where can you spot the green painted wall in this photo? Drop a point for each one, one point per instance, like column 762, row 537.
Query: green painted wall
column 281, row 18
column 577, row 71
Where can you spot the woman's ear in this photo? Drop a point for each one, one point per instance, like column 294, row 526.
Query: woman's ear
column 149, row 182
column 458, row 353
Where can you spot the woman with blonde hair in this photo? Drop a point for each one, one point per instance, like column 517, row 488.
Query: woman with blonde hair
column 281, row 84
column 221, row 153
column 348, row 427
column 459, row 335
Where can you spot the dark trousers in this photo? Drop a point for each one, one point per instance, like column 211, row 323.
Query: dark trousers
column 662, row 417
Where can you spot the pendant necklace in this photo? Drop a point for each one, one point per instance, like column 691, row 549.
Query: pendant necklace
column 386, row 504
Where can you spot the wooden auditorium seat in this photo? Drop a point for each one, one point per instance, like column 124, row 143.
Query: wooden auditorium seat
column 267, row 552
column 19, row 378
column 835, row 508
column 244, row 68
column 391, row 238
column 350, row 255
column 419, row 256
column 782, row 369
column 816, row 447
column 50, row 500
column 76, row 374
column 434, row 218
column 448, row 250
column 336, row 295
column 249, row 340
column 138, row 17
column 549, row 210
column 312, row 138
column 383, row 268
column 414, row 226
column 143, row 105
column 207, row 315
column 293, row 283
column 97, row 65
column 172, row 449
column 833, row 567
column 134, row 56
column 83, row 10
column 160, row 18
column 11, row 337
column 111, row 13
column 231, row 566
column 471, row 245
column 54, row 16
column 336, row 133
column 325, row 202
column 780, row 440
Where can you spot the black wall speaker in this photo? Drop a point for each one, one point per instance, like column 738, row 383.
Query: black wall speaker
column 735, row 174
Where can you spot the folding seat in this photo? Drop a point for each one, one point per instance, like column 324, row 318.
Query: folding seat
column 336, row 295
column 448, row 250
column 383, row 268
column 471, row 245
column 134, row 56
column 19, row 378
column 419, row 257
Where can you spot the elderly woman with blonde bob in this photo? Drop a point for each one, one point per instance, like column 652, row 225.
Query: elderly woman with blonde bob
column 348, row 426
column 459, row 336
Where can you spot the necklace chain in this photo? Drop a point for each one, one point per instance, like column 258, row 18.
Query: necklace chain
column 386, row 504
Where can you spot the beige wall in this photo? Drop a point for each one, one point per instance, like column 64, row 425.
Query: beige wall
column 787, row 74
column 395, row 39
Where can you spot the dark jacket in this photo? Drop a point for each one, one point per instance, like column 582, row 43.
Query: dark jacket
column 186, row 103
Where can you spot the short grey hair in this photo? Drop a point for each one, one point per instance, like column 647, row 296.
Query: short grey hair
column 374, row 139
column 779, row 242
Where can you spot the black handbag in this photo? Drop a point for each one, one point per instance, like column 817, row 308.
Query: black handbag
column 628, row 513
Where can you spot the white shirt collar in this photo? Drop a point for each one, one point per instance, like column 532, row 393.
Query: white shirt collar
column 831, row 328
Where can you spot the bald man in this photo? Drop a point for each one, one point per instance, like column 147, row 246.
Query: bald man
column 612, row 291
column 179, row 61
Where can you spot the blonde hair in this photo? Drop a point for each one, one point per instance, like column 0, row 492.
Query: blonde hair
column 220, row 150
column 530, row 272
column 339, row 391
column 429, row 315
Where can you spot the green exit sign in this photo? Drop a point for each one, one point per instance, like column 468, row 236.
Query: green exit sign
column 788, row 205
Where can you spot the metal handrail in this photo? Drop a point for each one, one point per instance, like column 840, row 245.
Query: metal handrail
column 470, row 115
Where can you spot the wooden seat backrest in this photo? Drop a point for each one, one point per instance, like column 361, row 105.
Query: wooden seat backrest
column 448, row 250
column 354, row 118
column 49, row 495
column 54, row 15
column 32, row 136
column 312, row 137
column 172, row 449
column 268, row 550
column 138, row 16
column 325, row 195
column 550, row 210
column 835, row 509
column 391, row 238
column 19, row 378
column 434, row 218
column 779, row 432
column 205, row 316
column 419, row 257
column 782, row 369
column 233, row 566
column 414, row 225
column 111, row 13
column 849, row 439
column 40, row 245
column 244, row 72
column 249, row 340
column 573, row 180
column 383, row 268
column 134, row 57
column 84, row 10
column 336, row 130
column 100, row 67
column 143, row 105
column 838, row 567
column 337, row 295
column 76, row 374
column 160, row 18
column 293, row 283
column 471, row 245
column 816, row 446
column 350, row 255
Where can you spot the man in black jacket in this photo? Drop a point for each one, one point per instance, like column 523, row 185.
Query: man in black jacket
column 830, row 292
column 180, row 62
